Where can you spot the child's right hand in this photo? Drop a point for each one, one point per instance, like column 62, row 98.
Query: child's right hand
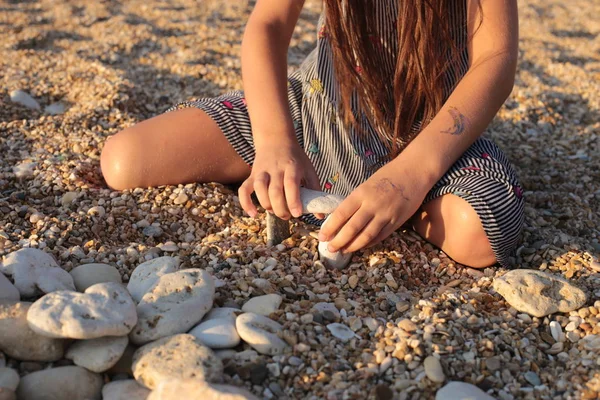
column 278, row 171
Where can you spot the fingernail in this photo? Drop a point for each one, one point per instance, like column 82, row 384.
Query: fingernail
column 331, row 249
column 297, row 212
column 322, row 237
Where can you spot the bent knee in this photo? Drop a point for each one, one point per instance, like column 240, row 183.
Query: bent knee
column 467, row 242
column 118, row 162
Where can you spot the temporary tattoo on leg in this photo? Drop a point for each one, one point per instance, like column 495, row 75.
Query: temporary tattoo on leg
column 385, row 185
column 460, row 122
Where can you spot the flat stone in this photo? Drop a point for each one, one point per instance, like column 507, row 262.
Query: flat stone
column 341, row 331
column 314, row 201
column 434, row 370
column 324, row 308
column 105, row 309
column 217, row 333
column 9, row 378
column 556, row 331
column 260, row 333
column 54, row 109
column 8, row 291
column 461, row 391
column 175, row 389
column 176, row 303
column 72, row 382
column 97, row 355
column 17, row 339
column 538, row 293
column 147, row 274
column 87, row 275
column 152, row 231
column 532, row 378
column 35, row 272
column 263, row 305
column 175, row 357
column 407, row 325
column 25, row 99
column 127, row 389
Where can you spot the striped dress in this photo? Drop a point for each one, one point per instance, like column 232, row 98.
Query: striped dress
column 343, row 159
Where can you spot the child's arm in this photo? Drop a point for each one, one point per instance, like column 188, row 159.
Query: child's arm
column 393, row 194
column 280, row 163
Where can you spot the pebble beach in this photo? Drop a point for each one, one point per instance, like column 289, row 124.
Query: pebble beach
column 172, row 292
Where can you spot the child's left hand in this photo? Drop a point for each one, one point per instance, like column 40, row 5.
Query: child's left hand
column 375, row 209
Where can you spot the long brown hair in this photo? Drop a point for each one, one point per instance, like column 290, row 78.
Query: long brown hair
column 427, row 52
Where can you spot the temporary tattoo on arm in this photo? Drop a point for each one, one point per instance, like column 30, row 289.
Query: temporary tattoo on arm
column 460, row 122
column 385, row 185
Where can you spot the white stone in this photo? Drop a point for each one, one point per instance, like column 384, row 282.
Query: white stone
column 591, row 342
column 97, row 355
column 177, row 302
column 341, row 331
column 461, row 391
column 18, row 341
column 9, row 378
column 55, row 109
column 260, row 332
column 337, row 260
column 556, row 331
column 539, row 293
column 217, row 333
column 127, row 389
column 223, row 313
column 68, row 198
column 8, row 291
column 25, row 99
column 314, row 201
column 97, row 210
column 263, row 305
column 105, row 309
column 434, row 370
column 87, row 275
column 175, row 389
column 175, row 357
column 72, row 382
column 35, row 272
column 147, row 274
column 24, row 170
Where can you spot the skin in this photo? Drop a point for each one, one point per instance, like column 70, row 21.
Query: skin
column 168, row 149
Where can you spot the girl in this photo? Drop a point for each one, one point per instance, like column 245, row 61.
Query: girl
column 388, row 110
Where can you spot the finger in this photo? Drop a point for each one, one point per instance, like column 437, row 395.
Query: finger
column 261, row 184
column 339, row 217
column 291, row 185
column 311, row 180
column 245, row 196
column 319, row 216
column 277, row 197
column 350, row 230
column 366, row 236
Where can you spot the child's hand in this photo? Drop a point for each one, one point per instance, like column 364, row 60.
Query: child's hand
column 278, row 171
column 374, row 210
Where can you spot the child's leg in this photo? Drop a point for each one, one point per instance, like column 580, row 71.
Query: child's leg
column 181, row 146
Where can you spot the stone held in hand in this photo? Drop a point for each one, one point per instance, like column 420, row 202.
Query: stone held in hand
column 35, row 272
column 72, row 382
column 174, row 389
column 175, row 357
column 17, row 339
column 105, row 309
column 461, row 391
column 176, row 303
column 87, row 275
column 97, row 355
column 317, row 202
column 336, row 260
column 260, row 333
column 127, row 389
column 147, row 274
column 8, row 291
column 539, row 293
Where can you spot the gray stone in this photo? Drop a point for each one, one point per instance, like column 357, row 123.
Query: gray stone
column 125, row 390
column 8, row 291
column 538, row 293
column 217, row 333
column 532, row 378
column 55, row 109
column 260, row 333
column 87, row 275
column 277, row 229
column 152, row 231
column 18, row 341
column 25, row 99
column 24, row 170
column 72, row 382
column 434, row 370
column 105, row 309
column 461, row 391
column 147, row 274
column 175, row 389
column 97, row 355
column 341, row 331
column 175, row 357
column 9, row 378
column 176, row 303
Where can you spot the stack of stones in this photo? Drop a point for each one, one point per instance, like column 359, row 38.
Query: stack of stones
column 161, row 329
